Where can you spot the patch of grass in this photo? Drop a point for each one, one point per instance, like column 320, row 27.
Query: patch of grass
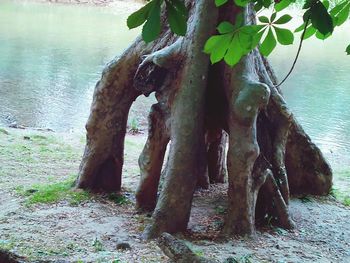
column 344, row 198
column 118, row 199
column 6, row 244
column 346, row 201
column 98, row 246
column 53, row 193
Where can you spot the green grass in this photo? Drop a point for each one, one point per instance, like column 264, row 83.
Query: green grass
column 341, row 187
column 118, row 199
column 53, row 193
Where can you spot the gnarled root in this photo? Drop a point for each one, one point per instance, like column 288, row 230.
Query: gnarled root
column 101, row 166
column 151, row 159
column 246, row 98
column 187, row 121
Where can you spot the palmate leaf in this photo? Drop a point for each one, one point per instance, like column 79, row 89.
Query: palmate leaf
column 283, row 4
column 234, row 52
column 283, row 19
column 139, row 17
column 225, row 27
column 177, row 16
column 269, row 43
column 220, row 49
column 152, row 27
column 310, row 31
column 231, row 46
column 284, row 36
column 220, row 2
column 321, row 19
column 340, row 13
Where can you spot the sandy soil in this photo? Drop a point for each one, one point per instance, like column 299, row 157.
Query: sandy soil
column 92, row 230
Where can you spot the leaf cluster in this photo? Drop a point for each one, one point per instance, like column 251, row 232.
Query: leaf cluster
column 233, row 41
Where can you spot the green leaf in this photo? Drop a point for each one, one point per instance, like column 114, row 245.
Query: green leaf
column 257, row 37
column 307, row 15
column 249, row 37
column 258, row 6
column 220, row 2
column 282, row 5
column 309, row 3
column 326, row 4
column 321, row 36
column 273, row 17
column 225, row 27
column 177, row 16
column 335, row 11
column 152, row 27
column 220, row 49
column 266, row 3
column 234, row 52
column 264, row 19
column 139, row 17
column 310, row 31
column 320, row 18
column 239, row 20
column 284, row 36
column 348, row 50
column 269, row 43
column 211, row 43
column 343, row 15
column 241, row 3
column 283, row 19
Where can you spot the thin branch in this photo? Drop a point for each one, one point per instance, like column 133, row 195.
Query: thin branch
column 298, row 53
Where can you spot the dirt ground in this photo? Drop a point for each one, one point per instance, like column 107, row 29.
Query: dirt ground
column 94, row 229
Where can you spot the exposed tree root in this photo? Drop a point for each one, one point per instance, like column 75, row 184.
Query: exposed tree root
column 9, row 257
column 201, row 109
column 151, row 159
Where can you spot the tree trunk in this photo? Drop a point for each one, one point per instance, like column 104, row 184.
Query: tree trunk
column 217, row 171
column 269, row 156
column 187, row 125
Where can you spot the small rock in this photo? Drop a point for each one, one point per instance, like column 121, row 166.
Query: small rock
column 123, row 246
column 26, row 137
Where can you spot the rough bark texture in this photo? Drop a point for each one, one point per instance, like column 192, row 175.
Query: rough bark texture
column 201, row 109
column 187, row 124
column 246, row 97
column 101, row 165
column 151, row 159
column 217, row 140
column 8, row 257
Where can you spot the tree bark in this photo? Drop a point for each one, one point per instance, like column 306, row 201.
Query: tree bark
column 187, row 122
column 151, row 159
column 217, row 171
column 269, row 157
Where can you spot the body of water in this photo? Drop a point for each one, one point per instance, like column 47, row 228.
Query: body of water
column 51, row 56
